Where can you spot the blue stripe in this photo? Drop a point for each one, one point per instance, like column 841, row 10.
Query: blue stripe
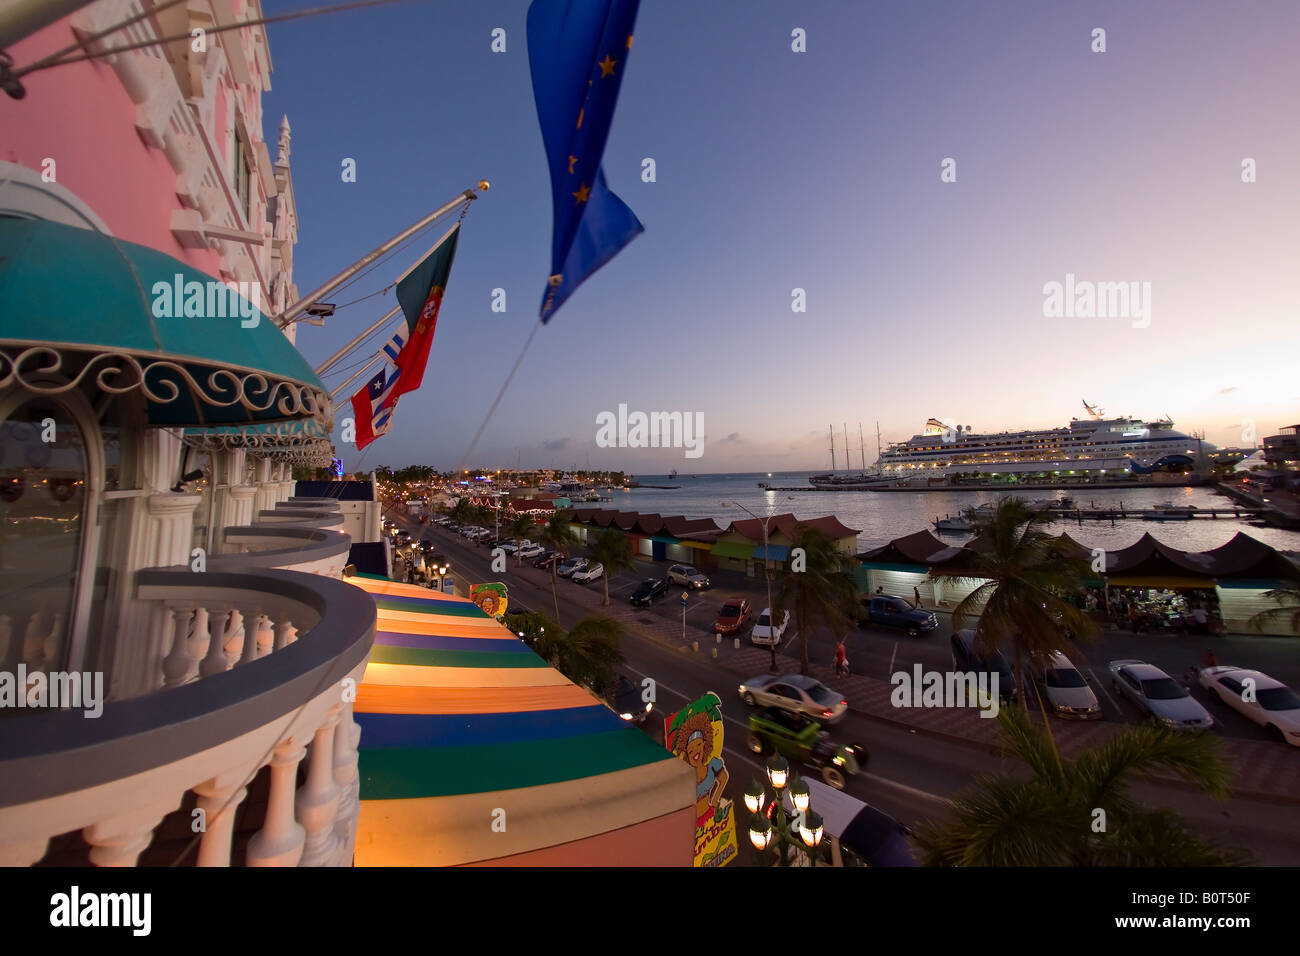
column 435, row 642
column 403, row 731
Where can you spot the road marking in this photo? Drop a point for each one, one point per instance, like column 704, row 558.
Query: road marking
column 1102, row 687
column 890, row 673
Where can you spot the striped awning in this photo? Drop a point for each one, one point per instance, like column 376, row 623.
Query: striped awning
column 733, row 549
column 461, row 724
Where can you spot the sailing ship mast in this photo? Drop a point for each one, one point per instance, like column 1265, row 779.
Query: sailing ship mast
column 832, row 431
column 862, row 449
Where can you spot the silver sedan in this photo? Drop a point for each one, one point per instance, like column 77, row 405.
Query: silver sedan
column 796, row 693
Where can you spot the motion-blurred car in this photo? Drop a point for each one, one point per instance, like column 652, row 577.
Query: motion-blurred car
column 797, row 693
column 1066, row 690
column 734, row 615
column 1266, row 701
column 1164, row 699
column 801, row 738
column 649, row 590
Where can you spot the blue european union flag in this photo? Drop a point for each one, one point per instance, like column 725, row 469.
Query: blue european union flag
column 577, row 52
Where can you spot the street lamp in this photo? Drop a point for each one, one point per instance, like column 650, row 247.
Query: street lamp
column 767, row 576
column 803, row 830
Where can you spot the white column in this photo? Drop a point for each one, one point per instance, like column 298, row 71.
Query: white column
column 219, row 798
column 215, row 662
column 189, row 641
column 23, row 853
column 280, row 841
column 349, row 781
column 241, row 506
column 264, row 500
column 119, row 841
column 318, row 800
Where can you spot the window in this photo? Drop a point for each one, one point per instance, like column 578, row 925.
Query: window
column 241, row 156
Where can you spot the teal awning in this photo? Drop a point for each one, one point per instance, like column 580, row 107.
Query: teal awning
column 733, row 549
column 108, row 310
column 1254, row 584
column 774, row 552
column 664, row 539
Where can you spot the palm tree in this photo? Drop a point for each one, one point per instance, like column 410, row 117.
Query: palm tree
column 587, row 655
column 613, row 550
column 530, row 625
column 823, row 593
column 557, row 534
column 1052, row 819
column 462, row 512
column 1022, row 573
column 1288, row 600
column 521, row 527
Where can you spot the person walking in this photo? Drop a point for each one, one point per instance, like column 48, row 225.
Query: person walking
column 841, row 659
column 917, row 592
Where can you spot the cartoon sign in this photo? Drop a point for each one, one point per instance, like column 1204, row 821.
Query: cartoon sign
column 694, row 733
column 491, row 597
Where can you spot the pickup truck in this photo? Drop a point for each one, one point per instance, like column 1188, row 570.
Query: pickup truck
column 889, row 610
column 763, row 632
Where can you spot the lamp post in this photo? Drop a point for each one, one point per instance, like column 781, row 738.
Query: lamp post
column 802, row 830
column 767, row 576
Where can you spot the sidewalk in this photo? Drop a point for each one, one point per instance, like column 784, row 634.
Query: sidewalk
column 1264, row 769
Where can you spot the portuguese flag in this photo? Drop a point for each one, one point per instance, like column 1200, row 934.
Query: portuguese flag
column 419, row 293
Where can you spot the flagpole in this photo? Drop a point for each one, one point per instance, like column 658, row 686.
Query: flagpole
column 290, row 315
column 334, row 359
column 362, row 371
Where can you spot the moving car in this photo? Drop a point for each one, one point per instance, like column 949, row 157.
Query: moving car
column 568, row 567
column 970, row 654
column 1066, row 690
column 629, row 704
column 530, row 551
column 735, row 614
column 801, row 738
column 1267, row 702
column 589, row 573
column 547, row 559
column 857, row 833
column 796, row 693
column 688, row 576
column 649, row 590
column 888, row 610
column 764, row 634
column 1163, row 698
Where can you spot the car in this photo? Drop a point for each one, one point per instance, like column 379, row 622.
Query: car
column 530, row 551
column 567, row 568
column 688, row 576
column 453, row 527
column 970, row 654
column 589, row 573
column 797, row 693
column 858, row 833
column 628, row 702
column 1164, row 700
column 796, row 737
column 734, row 615
column 648, row 590
column 547, row 559
column 1066, row 690
column 763, row 633
column 889, row 610
column 488, row 539
column 1269, row 703
column 510, row 545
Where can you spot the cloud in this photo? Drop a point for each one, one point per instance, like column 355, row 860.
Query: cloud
column 555, row 444
column 1225, row 391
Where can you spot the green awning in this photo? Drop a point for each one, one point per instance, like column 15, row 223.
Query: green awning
column 666, row 539
column 100, row 306
column 1254, row 584
column 733, row 549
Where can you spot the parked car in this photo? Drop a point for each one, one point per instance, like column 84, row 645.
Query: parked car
column 628, row 702
column 764, row 634
column 797, row 693
column 530, row 551
column 649, row 590
column 1066, row 690
column 567, row 568
column 589, row 573
column 801, row 738
column 547, row 559
column 734, row 615
column 858, row 833
column 970, row 654
column 510, row 545
column 1272, row 704
column 689, row 577
column 888, row 610
column 1163, row 699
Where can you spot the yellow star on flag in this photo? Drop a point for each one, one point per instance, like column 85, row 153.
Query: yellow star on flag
column 580, row 115
column 629, row 41
column 607, row 66
column 572, row 159
column 582, row 194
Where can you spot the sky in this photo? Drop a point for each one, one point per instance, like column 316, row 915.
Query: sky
column 821, row 170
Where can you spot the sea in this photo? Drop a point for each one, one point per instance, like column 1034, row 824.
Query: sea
column 881, row 516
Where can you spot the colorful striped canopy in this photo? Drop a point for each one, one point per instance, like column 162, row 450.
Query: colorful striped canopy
column 474, row 750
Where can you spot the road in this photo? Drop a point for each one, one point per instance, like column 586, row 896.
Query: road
column 910, row 775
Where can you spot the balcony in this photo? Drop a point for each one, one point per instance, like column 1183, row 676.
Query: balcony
column 259, row 674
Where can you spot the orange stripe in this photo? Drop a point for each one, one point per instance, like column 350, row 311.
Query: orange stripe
column 396, row 699
column 443, row 625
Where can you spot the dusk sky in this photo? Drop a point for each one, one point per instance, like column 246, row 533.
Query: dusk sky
column 820, row 170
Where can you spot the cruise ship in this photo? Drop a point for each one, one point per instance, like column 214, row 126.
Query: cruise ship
column 1095, row 445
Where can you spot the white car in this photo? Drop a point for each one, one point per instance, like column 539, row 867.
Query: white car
column 590, row 573
column 1162, row 697
column 529, row 551
column 763, row 632
column 688, row 576
column 1267, row 702
column 510, row 545
column 1067, row 693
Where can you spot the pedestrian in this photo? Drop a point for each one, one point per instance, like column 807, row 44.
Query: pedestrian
column 1134, row 618
column 880, row 590
column 1200, row 620
column 1210, row 659
column 917, row 592
column 841, row 659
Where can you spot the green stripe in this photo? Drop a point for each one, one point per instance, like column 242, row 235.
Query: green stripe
column 446, row 771
column 422, row 606
column 732, row 549
column 425, row 657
